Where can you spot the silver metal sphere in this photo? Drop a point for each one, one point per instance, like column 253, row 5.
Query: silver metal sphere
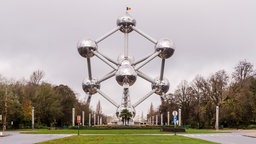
column 126, row 74
column 91, row 86
column 86, row 48
column 121, row 58
column 167, row 48
column 126, row 22
column 161, row 86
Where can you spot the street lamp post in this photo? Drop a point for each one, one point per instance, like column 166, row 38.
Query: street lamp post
column 33, row 118
column 217, row 118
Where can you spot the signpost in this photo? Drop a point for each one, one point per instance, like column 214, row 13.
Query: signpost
column 1, row 120
column 179, row 117
column 78, row 119
column 174, row 113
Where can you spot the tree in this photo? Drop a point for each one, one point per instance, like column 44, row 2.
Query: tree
column 199, row 99
column 52, row 103
column 68, row 101
column 151, row 110
column 98, row 108
column 125, row 115
column 243, row 70
column 47, row 105
column 239, row 104
column 184, row 97
column 36, row 77
column 218, row 83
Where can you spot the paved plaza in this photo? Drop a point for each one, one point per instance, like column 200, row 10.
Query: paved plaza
column 17, row 138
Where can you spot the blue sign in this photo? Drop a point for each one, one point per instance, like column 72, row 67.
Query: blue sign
column 174, row 119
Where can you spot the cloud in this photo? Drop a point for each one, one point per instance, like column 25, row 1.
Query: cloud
column 209, row 36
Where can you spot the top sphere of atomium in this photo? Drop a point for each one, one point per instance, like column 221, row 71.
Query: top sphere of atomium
column 126, row 22
column 86, row 48
column 166, row 47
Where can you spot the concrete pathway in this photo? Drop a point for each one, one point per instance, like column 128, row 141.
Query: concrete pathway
column 235, row 137
column 17, row 138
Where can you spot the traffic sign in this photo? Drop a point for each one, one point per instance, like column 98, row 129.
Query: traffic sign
column 78, row 119
column 174, row 119
column 174, row 113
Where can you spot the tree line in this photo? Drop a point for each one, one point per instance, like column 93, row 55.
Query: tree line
column 52, row 104
column 235, row 95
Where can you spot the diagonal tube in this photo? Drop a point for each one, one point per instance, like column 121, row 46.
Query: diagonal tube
column 144, row 76
column 104, row 60
column 147, row 60
column 107, row 76
column 107, row 35
column 139, row 61
column 107, row 98
column 109, row 59
column 144, row 35
column 144, row 98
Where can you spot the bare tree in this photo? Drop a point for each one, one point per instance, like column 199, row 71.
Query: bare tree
column 242, row 71
column 151, row 110
column 184, row 97
column 218, row 83
column 98, row 108
column 36, row 77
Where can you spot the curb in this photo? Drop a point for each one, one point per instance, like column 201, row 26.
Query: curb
column 250, row 135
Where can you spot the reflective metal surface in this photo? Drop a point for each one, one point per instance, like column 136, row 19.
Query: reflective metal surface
column 160, row 86
column 90, row 86
column 86, row 48
column 121, row 58
column 126, row 74
column 125, row 69
column 166, row 47
column 126, row 22
column 126, row 101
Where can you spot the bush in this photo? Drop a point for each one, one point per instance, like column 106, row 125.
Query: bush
column 252, row 126
column 106, row 127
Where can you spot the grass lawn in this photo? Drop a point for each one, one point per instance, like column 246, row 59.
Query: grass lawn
column 127, row 139
column 114, row 131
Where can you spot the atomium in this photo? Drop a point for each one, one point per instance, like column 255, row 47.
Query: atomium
column 126, row 69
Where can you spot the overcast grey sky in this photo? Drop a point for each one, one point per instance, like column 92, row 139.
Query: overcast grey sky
column 210, row 35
